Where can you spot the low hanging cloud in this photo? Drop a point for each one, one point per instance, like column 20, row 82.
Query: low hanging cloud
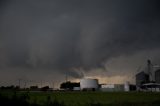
column 65, row 36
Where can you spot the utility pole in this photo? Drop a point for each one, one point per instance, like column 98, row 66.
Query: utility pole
column 25, row 84
column 41, row 83
column 53, row 85
column 19, row 83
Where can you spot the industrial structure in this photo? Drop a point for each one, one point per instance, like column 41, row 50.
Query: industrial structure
column 149, row 79
column 141, row 78
column 117, row 87
column 157, row 76
column 112, row 87
column 146, row 80
column 88, row 84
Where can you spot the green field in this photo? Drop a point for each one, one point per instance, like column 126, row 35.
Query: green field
column 88, row 98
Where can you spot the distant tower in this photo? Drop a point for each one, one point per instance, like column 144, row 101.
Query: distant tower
column 149, row 66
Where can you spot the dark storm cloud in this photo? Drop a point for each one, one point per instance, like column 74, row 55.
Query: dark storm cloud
column 64, row 35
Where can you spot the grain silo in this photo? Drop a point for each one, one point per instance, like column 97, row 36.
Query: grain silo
column 126, row 86
column 88, row 84
column 157, row 76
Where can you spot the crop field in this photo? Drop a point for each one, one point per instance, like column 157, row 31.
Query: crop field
column 79, row 98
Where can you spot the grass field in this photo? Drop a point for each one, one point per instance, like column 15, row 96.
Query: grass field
column 87, row 98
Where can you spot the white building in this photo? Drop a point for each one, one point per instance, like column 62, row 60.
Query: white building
column 88, row 84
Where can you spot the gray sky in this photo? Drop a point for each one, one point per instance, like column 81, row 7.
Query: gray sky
column 43, row 40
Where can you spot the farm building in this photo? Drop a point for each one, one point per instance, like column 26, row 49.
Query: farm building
column 117, row 87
